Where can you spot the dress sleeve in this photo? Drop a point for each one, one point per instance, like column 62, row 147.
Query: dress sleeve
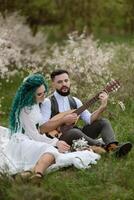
column 85, row 115
column 31, row 129
column 46, row 110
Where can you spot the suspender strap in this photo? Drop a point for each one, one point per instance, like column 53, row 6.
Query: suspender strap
column 72, row 102
column 55, row 107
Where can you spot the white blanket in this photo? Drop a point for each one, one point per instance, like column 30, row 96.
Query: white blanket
column 79, row 159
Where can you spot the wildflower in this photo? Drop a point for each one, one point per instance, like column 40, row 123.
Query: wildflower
column 121, row 104
column 79, row 144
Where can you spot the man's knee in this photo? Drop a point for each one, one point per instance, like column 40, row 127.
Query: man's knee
column 104, row 122
column 75, row 133
column 72, row 134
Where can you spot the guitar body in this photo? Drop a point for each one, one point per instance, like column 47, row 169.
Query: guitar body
column 62, row 114
column 57, row 132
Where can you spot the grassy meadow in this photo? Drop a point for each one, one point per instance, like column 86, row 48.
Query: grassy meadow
column 111, row 178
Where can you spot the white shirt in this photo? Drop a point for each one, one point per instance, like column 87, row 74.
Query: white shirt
column 29, row 119
column 63, row 104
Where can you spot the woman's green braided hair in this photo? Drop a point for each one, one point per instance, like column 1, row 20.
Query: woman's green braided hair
column 25, row 96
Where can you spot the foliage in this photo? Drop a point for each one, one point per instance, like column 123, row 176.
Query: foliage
column 123, row 66
column 20, row 52
column 18, row 48
column 90, row 63
column 101, row 16
column 86, row 61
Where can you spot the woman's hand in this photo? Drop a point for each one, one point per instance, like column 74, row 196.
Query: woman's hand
column 62, row 146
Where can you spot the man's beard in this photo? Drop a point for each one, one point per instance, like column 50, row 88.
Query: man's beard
column 63, row 93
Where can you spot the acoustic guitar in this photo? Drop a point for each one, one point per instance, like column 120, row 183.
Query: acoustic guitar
column 113, row 85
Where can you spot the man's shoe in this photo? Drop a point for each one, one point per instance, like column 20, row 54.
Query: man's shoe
column 123, row 149
column 120, row 150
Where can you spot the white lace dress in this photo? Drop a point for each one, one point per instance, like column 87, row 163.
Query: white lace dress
column 21, row 151
column 25, row 149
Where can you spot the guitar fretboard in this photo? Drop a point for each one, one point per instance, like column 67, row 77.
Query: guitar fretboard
column 79, row 110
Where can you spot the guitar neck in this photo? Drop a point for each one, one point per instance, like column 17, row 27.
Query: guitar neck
column 88, row 103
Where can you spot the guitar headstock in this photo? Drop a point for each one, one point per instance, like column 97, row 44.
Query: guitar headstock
column 113, row 85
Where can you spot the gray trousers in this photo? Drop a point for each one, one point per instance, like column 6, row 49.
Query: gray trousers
column 100, row 128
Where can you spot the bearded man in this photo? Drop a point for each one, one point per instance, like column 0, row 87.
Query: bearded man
column 58, row 107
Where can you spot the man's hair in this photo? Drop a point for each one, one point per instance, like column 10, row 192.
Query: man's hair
column 58, row 72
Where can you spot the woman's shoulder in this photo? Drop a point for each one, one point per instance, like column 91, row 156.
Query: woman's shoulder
column 30, row 114
column 30, row 110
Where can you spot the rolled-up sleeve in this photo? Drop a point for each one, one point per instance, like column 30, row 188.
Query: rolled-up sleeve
column 46, row 110
column 85, row 115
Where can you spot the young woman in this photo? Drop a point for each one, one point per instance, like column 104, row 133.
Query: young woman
column 28, row 149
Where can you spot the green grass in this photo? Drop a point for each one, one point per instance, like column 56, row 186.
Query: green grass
column 7, row 90
column 110, row 179
column 116, row 39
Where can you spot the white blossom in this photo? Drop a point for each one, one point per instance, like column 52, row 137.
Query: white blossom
column 79, row 144
column 122, row 105
column 19, row 49
column 89, row 63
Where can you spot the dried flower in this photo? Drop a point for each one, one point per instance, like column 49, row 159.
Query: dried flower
column 121, row 104
column 79, row 144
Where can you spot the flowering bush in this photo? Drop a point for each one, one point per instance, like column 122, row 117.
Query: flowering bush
column 90, row 64
column 86, row 61
column 81, row 55
column 122, row 67
column 19, row 50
